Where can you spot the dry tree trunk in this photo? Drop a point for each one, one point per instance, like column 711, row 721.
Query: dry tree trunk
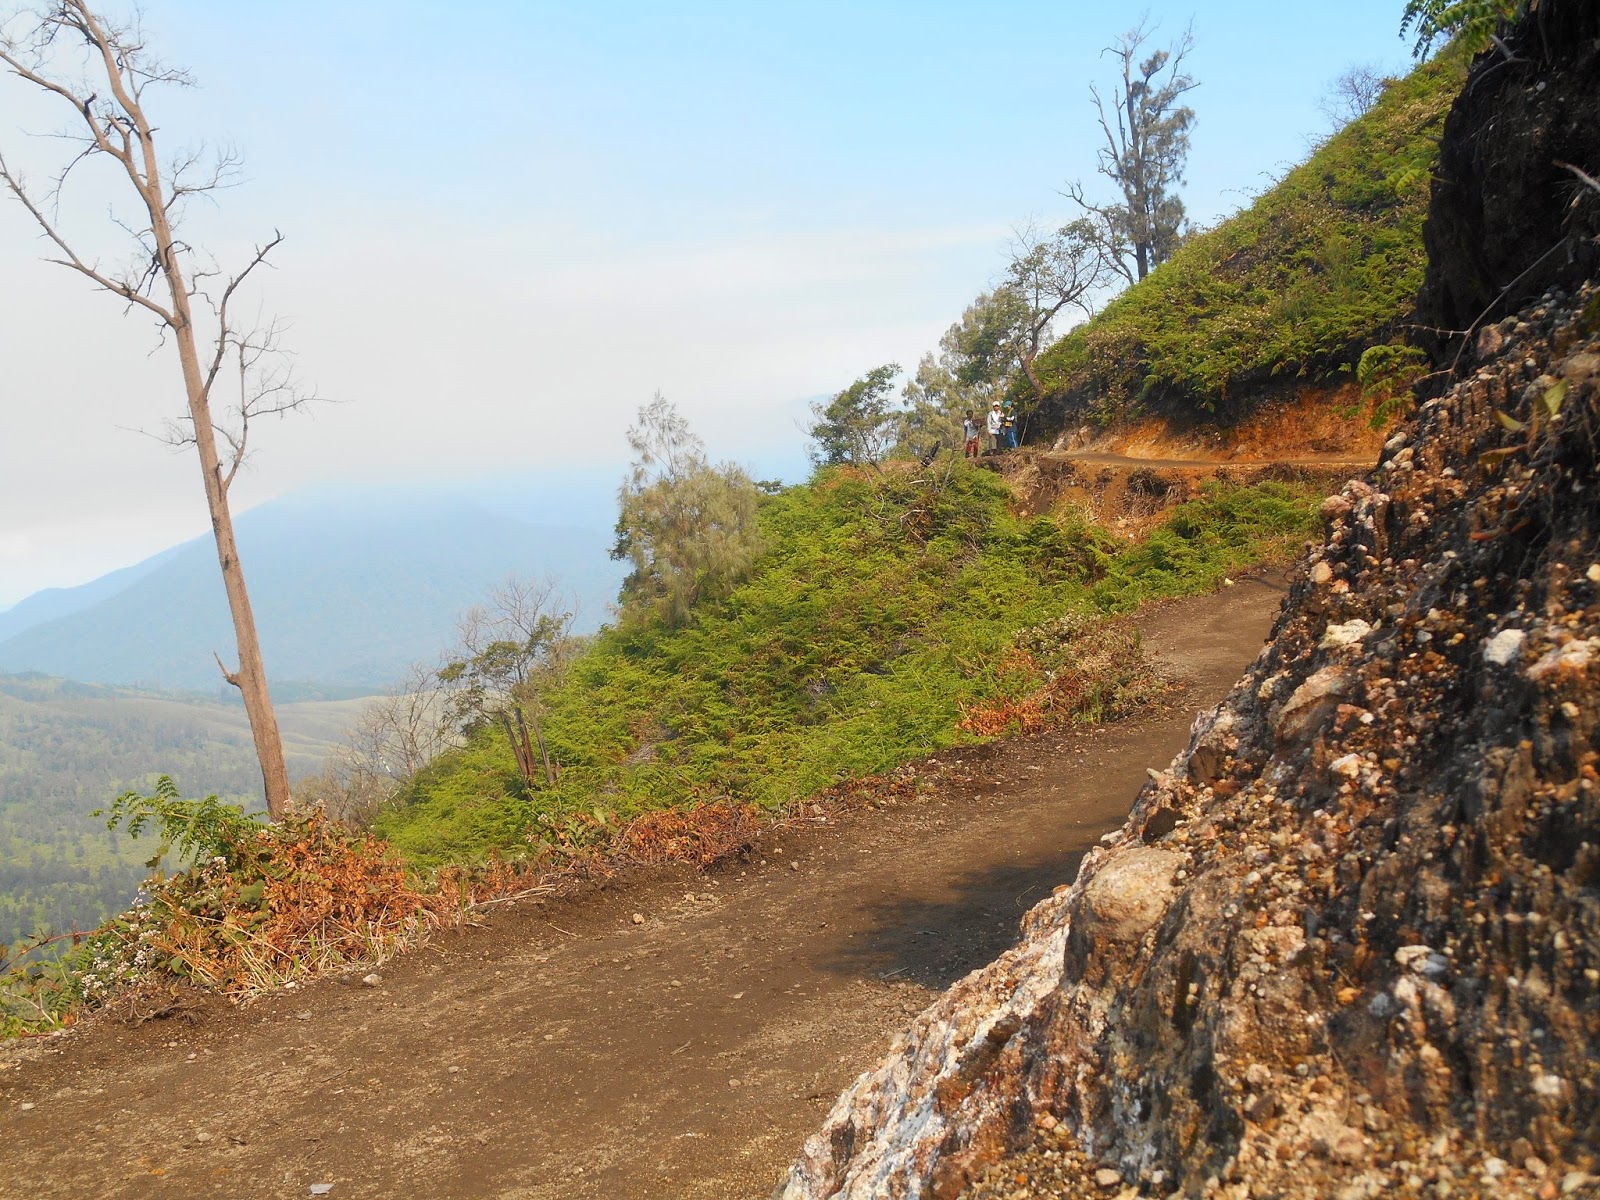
column 117, row 127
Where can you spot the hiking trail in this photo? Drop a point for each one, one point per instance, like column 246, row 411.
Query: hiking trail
column 564, row 1049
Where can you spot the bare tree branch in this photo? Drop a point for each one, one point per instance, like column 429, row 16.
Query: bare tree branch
column 114, row 123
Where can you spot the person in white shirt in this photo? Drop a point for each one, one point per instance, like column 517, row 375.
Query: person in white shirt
column 996, row 423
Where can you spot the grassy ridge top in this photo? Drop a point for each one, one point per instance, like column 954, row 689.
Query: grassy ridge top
column 886, row 612
column 1324, row 264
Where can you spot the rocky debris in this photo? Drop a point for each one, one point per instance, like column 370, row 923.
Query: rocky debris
column 1349, row 944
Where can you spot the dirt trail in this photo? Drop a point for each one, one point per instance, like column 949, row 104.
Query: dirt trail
column 562, row 1050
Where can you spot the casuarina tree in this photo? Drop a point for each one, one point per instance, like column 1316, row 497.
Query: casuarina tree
column 1146, row 129
column 688, row 528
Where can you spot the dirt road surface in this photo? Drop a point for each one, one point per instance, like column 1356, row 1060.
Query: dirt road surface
column 565, row 1050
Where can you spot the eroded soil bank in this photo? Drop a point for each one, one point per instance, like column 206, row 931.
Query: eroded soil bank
column 565, row 1050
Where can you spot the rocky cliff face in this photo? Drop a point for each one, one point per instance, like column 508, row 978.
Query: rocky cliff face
column 1351, row 939
column 1349, row 943
column 1508, row 219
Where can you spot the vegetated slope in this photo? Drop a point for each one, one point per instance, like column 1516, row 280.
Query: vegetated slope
column 1291, row 291
column 67, row 749
column 347, row 593
column 886, row 610
column 1349, row 944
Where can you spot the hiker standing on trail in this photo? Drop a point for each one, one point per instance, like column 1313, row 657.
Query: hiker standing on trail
column 969, row 430
column 1008, row 425
column 996, row 423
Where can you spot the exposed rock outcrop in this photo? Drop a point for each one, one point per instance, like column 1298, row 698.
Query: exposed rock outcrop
column 1507, row 219
column 1349, row 944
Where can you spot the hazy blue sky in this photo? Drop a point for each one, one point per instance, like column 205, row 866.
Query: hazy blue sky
column 508, row 224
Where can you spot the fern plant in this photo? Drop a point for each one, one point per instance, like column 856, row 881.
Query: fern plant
column 197, row 829
column 1473, row 21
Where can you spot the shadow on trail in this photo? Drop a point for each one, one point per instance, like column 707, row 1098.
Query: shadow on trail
column 960, row 925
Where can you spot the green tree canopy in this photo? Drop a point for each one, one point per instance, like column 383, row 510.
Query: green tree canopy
column 688, row 528
column 858, row 425
column 977, row 363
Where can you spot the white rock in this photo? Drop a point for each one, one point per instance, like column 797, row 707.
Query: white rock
column 1412, row 956
column 1107, row 1178
column 1504, row 646
column 1548, row 1086
column 1569, row 659
column 1347, row 634
column 1348, row 765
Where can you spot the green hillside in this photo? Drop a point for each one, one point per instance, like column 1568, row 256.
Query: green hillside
column 1321, row 266
column 884, row 609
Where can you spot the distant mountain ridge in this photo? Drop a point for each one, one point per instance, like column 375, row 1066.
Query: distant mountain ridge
column 348, row 587
column 49, row 604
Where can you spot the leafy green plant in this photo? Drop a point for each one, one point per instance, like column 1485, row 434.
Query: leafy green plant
column 197, row 829
column 38, row 987
column 1387, row 373
column 1473, row 22
column 884, row 607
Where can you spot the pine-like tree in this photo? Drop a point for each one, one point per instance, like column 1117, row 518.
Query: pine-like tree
column 1146, row 132
column 687, row 527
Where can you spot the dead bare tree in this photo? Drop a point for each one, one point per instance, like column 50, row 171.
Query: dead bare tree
column 101, row 70
column 1353, row 94
column 395, row 736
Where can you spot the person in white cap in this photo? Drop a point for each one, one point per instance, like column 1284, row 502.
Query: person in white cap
column 996, row 423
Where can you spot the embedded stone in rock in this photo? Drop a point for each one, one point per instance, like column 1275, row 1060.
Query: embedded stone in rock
column 1348, row 634
column 1581, row 367
column 1346, row 765
column 1129, row 894
column 1312, row 703
column 1490, row 342
column 1570, row 659
column 1212, row 745
column 1504, row 646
